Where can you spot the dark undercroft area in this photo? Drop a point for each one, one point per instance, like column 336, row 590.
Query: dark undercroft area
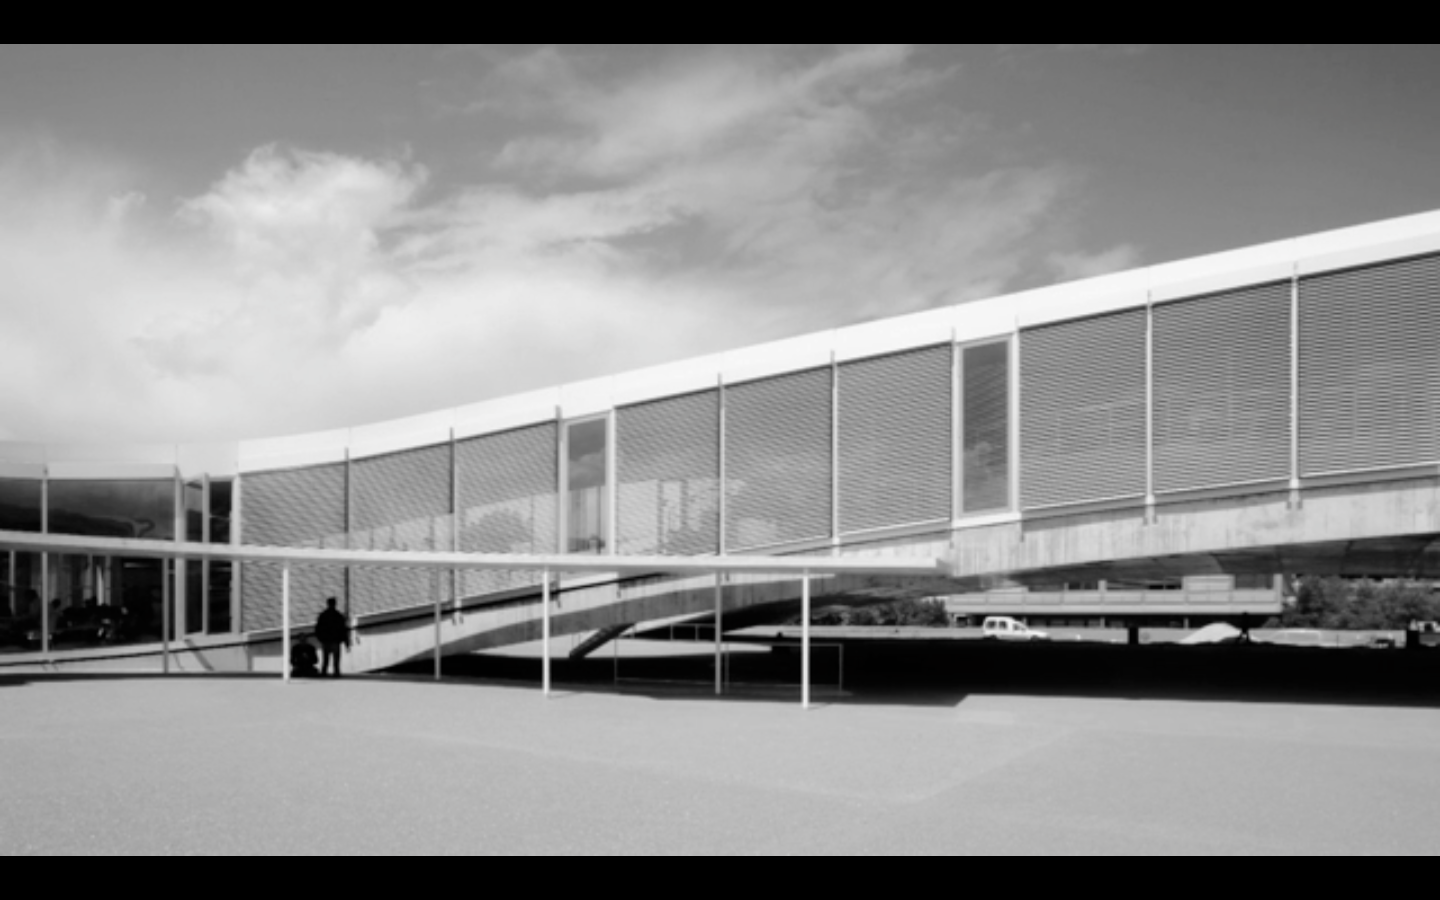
column 944, row 672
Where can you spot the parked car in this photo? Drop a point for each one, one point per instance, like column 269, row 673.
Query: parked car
column 1000, row 628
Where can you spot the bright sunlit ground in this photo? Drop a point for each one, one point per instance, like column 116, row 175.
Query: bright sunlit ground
column 241, row 766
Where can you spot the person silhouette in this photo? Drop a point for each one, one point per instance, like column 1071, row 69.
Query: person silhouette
column 332, row 631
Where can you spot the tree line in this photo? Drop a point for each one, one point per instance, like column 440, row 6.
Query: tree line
column 1340, row 604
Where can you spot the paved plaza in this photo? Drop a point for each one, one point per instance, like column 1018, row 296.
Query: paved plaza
column 390, row 765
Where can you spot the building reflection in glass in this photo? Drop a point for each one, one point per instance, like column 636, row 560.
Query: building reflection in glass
column 588, row 507
column 20, row 505
column 142, row 510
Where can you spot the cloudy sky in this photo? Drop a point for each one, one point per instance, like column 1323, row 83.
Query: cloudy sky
column 204, row 242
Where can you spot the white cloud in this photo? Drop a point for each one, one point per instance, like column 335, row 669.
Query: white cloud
column 1078, row 265
column 687, row 206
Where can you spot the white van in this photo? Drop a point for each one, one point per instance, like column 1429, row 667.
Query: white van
column 1001, row 628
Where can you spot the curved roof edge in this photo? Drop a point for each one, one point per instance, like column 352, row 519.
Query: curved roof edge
column 976, row 321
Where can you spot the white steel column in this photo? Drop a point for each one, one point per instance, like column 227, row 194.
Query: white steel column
column 805, row 641
column 610, row 496
column 45, row 566
column 957, row 427
column 720, row 456
column 456, row 576
column 719, row 630
column 437, row 634
column 182, row 529
column 204, row 565
column 285, row 623
column 44, row 604
column 835, row 451
column 237, row 522
column 545, row 630
column 1150, row 409
column 1017, row 452
column 1295, row 388
column 167, row 596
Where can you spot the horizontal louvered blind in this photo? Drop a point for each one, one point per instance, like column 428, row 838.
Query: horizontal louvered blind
column 400, row 502
column 300, row 508
column 895, row 420
column 1222, row 389
column 985, row 374
column 1083, row 411
column 507, row 485
column 668, row 468
column 778, row 460
column 1370, row 367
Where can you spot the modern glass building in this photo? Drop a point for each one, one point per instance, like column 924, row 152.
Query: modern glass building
column 1268, row 370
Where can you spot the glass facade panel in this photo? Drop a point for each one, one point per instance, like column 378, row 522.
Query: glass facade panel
column 20, row 505
column 509, row 502
column 986, row 399
column 221, row 579
column 143, row 510
column 100, row 601
column 195, row 512
column 588, row 502
column 19, row 599
column 222, row 495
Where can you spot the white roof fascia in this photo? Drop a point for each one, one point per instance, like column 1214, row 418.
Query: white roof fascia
column 887, row 336
column 142, row 454
column 785, row 357
column 587, row 398
column 299, row 451
column 1221, row 282
column 88, row 471
column 410, row 433
column 1363, row 256
column 984, row 321
column 506, row 413
column 22, row 471
column 676, row 379
column 1084, row 300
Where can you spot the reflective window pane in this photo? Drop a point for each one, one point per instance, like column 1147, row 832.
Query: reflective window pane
column 19, row 600
column 986, row 462
column 194, row 597
column 19, row 505
column 121, row 509
column 220, row 581
column 98, row 601
column 195, row 512
column 221, row 504
column 586, row 467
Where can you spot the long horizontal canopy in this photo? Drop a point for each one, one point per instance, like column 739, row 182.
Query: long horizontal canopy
column 630, row 565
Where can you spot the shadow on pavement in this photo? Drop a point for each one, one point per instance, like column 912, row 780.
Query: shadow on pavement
column 944, row 674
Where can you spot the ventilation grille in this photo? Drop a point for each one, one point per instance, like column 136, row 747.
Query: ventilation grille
column 1370, row 367
column 1083, row 411
column 400, row 502
column 1222, row 389
column 302, row 508
column 507, row 485
column 778, row 460
column 668, row 465
column 895, row 417
column 986, row 410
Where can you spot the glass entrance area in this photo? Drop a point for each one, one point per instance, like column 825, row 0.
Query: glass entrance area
column 105, row 601
column 587, row 507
